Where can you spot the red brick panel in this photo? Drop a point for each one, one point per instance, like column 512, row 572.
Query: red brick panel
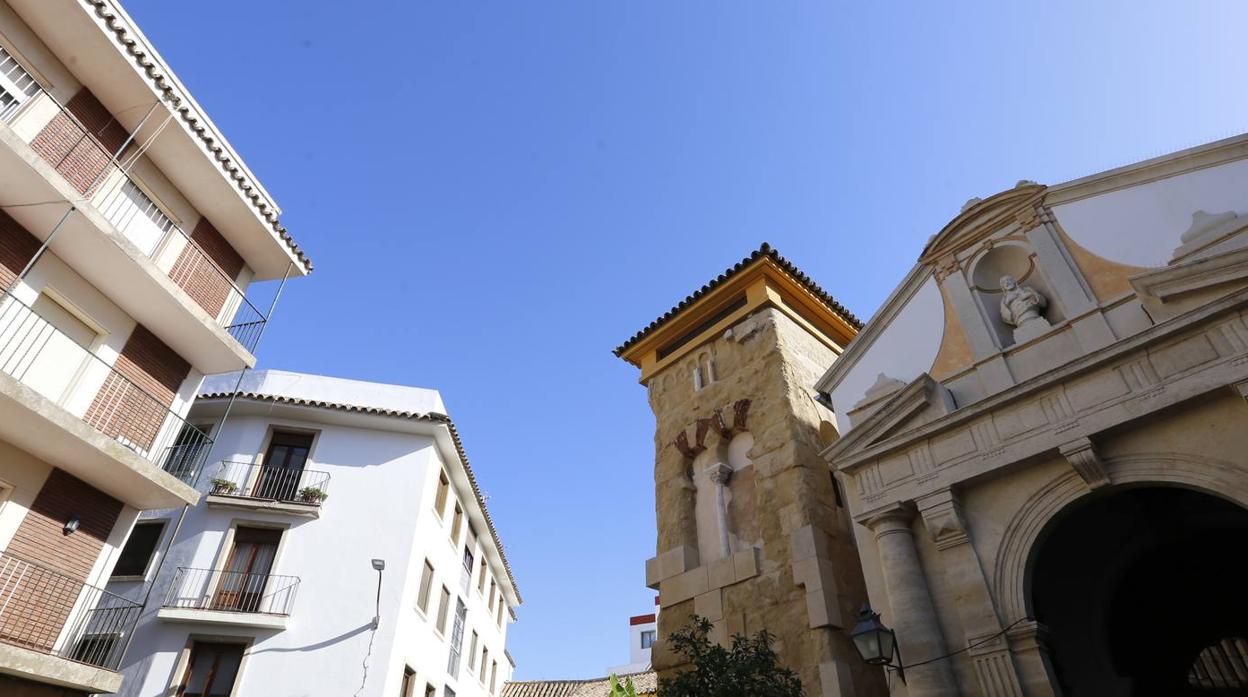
column 80, row 155
column 125, row 412
column 36, row 601
column 17, row 247
column 205, row 275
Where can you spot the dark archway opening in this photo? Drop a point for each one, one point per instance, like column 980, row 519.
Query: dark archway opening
column 1139, row 587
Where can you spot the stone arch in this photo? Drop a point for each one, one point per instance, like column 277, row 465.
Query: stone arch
column 1016, row 553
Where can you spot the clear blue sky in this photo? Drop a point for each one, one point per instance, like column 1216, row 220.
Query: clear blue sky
column 497, row 193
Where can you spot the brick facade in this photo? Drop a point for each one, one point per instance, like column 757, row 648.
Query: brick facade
column 80, row 156
column 129, row 414
column 17, row 247
column 200, row 273
column 37, row 609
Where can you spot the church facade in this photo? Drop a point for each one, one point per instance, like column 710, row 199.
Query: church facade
column 1042, row 439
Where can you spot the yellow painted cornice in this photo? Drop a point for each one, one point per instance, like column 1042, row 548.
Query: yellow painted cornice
column 759, row 283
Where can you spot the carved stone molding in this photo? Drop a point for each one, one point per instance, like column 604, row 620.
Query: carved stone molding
column 1082, row 456
column 942, row 515
column 1241, row 388
column 893, row 518
column 716, row 422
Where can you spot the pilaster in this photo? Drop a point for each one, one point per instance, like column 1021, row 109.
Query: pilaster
column 994, row 667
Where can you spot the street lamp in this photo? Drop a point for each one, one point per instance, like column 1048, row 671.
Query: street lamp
column 379, row 565
column 876, row 643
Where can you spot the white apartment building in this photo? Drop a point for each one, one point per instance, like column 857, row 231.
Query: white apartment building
column 643, row 631
column 130, row 232
column 271, row 587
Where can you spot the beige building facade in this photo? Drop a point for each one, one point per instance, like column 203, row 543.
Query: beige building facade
column 1042, row 438
column 753, row 534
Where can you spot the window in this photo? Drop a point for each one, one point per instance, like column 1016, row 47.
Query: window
column 444, row 609
column 16, row 85
column 457, row 524
column 502, row 606
column 485, row 660
column 444, row 490
column 457, row 639
column 137, row 555
column 448, row 692
column 212, row 670
column 481, row 579
column 426, row 586
column 472, row 652
column 283, row 466
column 647, row 638
column 466, row 578
column 408, row 683
column 493, row 675
column 97, row 649
column 430, row 690
column 242, row 584
column 493, row 587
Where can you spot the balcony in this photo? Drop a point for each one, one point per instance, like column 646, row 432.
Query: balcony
column 121, row 240
column 252, row 487
column 57, row 630
column 221, row 597
column 64, row 404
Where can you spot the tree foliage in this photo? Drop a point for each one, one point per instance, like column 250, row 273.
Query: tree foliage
column 625, row 690
column 748, row 668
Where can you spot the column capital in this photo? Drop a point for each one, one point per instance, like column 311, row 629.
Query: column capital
column 894, row 517
column 719, row 473
column 1241, row 388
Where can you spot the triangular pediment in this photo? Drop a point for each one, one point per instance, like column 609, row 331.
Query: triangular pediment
column 922, row 401
column 982, row 218
column 1174, row 289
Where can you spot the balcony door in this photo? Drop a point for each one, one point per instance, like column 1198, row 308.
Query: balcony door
column 246, row 573
column 212, row 670
column 46, row 348
column 283, row 466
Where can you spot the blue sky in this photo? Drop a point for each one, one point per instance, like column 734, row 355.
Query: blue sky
column 498, row 193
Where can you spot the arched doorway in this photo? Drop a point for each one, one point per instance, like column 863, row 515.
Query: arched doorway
column 1144, row 591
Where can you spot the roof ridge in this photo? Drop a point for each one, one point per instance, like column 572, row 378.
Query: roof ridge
column 764, row 250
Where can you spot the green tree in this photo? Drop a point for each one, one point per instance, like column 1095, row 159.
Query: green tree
column 746, row 669
column 625, row 690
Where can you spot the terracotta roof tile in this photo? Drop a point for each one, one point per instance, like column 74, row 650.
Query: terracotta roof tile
column 431, row 417
column 765, row 250
column 645, row 683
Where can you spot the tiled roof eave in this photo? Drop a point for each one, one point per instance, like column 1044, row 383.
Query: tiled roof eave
column 766, row 250
column 170, row 92
column 429, row 417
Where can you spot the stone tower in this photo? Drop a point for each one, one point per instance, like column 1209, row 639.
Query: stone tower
column 752, row 531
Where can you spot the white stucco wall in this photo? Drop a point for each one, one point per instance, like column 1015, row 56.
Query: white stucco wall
column 381, row 494
column 904, row 349
column 1141, row 225
column 402, row 398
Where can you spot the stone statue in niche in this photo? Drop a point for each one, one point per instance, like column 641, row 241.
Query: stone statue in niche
column 1021, row 308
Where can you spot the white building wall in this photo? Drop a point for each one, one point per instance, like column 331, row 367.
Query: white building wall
column 380, row 505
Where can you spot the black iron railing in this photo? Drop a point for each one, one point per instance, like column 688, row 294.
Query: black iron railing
column 37, row 353
column 232, row 591
column 47, row 611
column 121, row 199
column 290, row 485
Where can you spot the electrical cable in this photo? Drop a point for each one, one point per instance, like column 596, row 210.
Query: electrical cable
column 985, row 640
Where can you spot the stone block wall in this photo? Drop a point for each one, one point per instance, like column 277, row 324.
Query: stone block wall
column 793, row 568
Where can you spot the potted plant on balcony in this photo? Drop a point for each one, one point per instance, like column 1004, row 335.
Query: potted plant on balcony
column 223, row 487
column 313, row 495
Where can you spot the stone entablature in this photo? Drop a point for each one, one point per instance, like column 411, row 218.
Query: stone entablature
column 1189, row 356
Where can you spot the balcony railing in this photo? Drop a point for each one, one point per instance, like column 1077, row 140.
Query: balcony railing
column 248, row 480
column 47, row 611
column 74, row 150
column 232, row 591
column 44, row 358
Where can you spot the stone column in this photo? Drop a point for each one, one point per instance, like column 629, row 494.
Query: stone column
column 719, row 474
column 987, row 646
column 914, row 615
column 1028, row 641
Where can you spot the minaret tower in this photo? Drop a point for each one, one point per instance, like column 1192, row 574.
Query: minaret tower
column 752, row 533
